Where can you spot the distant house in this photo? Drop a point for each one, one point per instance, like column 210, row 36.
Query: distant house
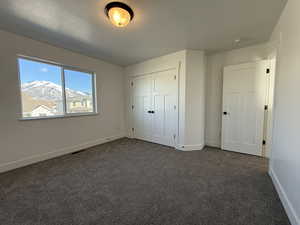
column 42, row 111
column 40, row 108
column 80, row 104
column 37, row 108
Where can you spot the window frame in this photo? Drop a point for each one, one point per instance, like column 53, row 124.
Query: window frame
column 63, row 67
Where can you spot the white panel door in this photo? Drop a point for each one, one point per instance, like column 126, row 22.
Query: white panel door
column 244, row 98
column 155, row 116
column 164, row 106
column 142, row 103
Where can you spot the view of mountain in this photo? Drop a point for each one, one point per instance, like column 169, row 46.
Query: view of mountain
column 46, row 90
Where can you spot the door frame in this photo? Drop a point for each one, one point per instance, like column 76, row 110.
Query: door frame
column 269, row 101
column 271, row 104
column 130, row 102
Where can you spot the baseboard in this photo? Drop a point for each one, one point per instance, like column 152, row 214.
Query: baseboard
column 190, row 147
column 38, row 158
column 129, row 136
column 290, row 211
column 212, row 143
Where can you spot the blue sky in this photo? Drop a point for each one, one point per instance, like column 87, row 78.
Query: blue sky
column 36, row 71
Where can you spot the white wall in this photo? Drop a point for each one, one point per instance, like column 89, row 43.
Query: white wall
column 195, row 100
column 24, row 142
column 285, row 156
column 191, row 68
column 214, row 83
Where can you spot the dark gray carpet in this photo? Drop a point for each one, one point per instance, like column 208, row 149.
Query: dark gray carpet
column 131, row 182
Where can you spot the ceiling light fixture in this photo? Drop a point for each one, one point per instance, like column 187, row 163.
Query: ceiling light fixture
column 119, row 13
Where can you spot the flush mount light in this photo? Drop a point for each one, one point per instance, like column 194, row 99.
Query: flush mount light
column 119, row 13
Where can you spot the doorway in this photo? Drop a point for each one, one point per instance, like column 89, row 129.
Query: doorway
column 246, row 95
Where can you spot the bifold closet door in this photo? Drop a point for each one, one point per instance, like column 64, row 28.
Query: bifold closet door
column 155, row 115
column 142, row 105
column 164, row 105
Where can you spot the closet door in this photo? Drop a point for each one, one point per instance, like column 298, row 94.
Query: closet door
column 155, row 116
column 165, row 120
column 142, row 105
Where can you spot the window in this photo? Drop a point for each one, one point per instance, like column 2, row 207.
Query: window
column 52, row 90
column 78, row 84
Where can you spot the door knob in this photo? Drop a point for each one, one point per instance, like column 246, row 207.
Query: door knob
column 225, row 113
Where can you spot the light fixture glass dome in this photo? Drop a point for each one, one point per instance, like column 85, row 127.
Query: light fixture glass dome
column 119, row 13
column 119, row 17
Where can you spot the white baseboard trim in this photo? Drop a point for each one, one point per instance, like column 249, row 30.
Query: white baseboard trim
column 294, row 219
column 198, row 147
column 38, row 158
column 212, row 144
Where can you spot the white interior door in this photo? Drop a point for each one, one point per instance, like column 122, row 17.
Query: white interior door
column 142, row 105
column 244, row 98
column 155, row 115
column 164, row 107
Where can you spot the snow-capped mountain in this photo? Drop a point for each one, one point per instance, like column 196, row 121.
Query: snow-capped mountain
column 47, row 90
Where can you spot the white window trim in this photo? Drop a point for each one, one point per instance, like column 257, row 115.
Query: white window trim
column 63, row 68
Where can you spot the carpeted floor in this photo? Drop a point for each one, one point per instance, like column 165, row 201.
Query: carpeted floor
column 130, row 182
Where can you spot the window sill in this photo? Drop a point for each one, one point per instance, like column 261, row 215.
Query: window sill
column 58, row 117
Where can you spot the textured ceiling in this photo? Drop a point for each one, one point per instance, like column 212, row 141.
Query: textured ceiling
column 159, row 26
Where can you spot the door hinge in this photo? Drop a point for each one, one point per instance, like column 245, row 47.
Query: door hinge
column 132, row 129
column 264, row 142
column 267, row 71
column 131, row 84
column 266, row 107
column 132, row 107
